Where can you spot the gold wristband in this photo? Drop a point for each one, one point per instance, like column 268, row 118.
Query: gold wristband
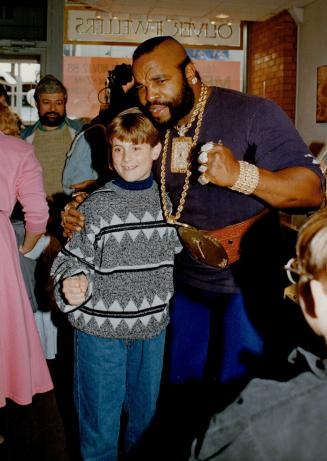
column 248, row 179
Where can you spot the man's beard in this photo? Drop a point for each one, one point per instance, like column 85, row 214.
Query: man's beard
column 44, row 119
column 178, row 108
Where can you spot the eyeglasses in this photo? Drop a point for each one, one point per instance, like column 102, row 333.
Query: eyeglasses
column 293, row 272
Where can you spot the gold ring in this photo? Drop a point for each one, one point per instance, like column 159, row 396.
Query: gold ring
column 203, row 157
column 203, row 180
column 203, row 168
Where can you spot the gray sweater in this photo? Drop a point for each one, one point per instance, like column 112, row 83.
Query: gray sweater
column 126, row 250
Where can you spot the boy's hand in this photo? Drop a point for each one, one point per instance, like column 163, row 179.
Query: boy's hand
column 71, row 219
column 74, row 289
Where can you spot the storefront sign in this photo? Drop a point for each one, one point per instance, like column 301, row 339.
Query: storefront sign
column 89, row 26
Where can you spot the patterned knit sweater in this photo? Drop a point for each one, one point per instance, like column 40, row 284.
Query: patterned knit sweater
column 127, row 251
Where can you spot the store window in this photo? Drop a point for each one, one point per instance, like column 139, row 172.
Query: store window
column 19, row 76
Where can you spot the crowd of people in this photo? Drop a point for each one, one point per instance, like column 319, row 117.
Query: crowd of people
column 169, row 262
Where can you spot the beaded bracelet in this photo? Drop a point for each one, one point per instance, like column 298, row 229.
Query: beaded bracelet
column 248, row 179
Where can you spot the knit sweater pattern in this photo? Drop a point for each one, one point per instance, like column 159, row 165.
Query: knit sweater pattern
column 126, row 250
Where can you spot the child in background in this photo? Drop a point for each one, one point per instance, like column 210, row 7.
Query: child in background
column 115, row 278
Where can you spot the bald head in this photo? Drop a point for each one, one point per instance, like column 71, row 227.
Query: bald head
column 166, row 44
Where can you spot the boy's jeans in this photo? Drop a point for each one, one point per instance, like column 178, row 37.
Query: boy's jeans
column 111, row 374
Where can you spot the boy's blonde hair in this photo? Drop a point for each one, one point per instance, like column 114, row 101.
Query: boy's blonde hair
column 311, row 256
column 133, row 126
column 9, row 122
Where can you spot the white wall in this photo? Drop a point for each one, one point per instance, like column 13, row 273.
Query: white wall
column 312, row 54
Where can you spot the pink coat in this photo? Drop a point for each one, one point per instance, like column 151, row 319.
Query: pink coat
column 23, row 368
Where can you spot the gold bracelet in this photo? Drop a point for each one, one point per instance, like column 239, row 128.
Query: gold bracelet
column 248, row 179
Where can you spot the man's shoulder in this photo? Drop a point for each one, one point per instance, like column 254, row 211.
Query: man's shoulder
column 75, row 123
column 29, row 130
column 230, row 95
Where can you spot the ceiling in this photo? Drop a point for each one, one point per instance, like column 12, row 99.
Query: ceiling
column 238, row 10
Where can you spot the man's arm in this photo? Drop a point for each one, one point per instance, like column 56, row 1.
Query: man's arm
column 294, row 187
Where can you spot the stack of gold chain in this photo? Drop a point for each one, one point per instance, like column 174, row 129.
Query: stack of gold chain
column 198, row 112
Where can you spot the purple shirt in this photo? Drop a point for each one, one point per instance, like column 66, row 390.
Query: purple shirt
column 256, row 130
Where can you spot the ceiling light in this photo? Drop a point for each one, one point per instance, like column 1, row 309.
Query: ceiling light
column 222, row 16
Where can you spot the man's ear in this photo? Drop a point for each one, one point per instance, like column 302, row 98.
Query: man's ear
column 318, row 311
column 156, row 151
column 190, row 72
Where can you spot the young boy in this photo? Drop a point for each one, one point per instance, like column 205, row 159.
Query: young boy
column 283, row 421
column 115, row 278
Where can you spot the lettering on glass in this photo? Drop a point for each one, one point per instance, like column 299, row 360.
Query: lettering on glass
column 83, row 26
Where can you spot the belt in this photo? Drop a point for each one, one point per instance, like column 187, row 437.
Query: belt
column 230, row 236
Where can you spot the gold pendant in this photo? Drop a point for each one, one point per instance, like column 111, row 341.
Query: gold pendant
column 204, row 248
column 180, row 153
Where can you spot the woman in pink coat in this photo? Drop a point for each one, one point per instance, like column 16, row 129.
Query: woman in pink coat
column 23, row 368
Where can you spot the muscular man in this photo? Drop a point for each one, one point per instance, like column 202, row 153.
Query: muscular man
column 228, row 279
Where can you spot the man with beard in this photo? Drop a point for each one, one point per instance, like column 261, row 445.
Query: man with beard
column 51, row 136
column 229, row 162
column 53, row 133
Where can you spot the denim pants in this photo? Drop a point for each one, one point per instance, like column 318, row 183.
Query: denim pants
column 111, row 375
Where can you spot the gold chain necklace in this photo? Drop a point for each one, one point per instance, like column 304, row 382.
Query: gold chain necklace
column 183, row 129
column 170, row 218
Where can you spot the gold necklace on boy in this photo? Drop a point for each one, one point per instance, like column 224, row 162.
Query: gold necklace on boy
column 203, row 247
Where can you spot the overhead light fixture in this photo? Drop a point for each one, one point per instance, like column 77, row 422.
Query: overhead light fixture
column 222, row 16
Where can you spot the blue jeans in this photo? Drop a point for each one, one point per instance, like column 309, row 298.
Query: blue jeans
column 112, row 375
column 210, row 327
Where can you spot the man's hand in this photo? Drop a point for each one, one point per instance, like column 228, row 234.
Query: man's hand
column 75, row 288
column 71, row 219
column 292, row 187
column 84, row 185
column 222, row 167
